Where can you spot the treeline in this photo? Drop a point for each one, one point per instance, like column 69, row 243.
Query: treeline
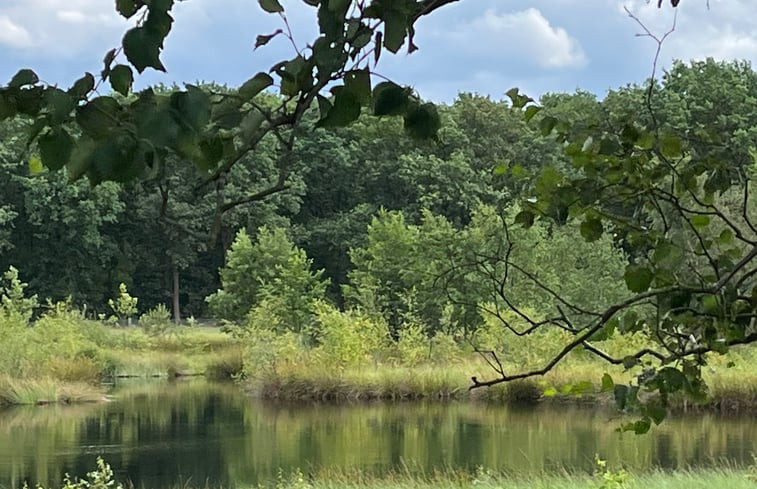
column 367, row 219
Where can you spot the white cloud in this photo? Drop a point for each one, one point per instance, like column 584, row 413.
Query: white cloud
column 724, row 31
column 527, row 33
column 12, row 34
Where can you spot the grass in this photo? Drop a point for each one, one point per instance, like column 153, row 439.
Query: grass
column 731, row 479
column 46, row 391
column 185, row 351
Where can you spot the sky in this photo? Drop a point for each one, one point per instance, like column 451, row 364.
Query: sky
column 480, row 46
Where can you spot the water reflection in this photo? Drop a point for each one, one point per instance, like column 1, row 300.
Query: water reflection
column 162, row 434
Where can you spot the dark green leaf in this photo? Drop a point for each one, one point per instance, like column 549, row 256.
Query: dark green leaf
column 656, row 412
column 255, row 85
column 98, row 117
column 423, row 121
column 395, row 30
column 547, row 124
column 621, row 392
column 271, row 6
column 82, row 86
column 345, row 109
column 525, row 218
column 591, row 229
column 55, row 148
column 324, row 106
column 390, row 99
column 142, row 49
column 358, row 82
column 630, row 362
column 127, row 8
column 22, row 78
column 191, row 108
column 263, row 39
column 638, row 278
column 59, row 105
column 121, row 79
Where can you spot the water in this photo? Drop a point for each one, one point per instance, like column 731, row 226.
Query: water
column 161, row 435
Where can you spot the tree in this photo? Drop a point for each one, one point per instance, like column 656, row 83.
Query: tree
column 679, row 202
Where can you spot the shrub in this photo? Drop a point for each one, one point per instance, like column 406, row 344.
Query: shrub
column 156, row 321
column 349, row 338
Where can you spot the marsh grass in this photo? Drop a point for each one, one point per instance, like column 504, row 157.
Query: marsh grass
column 736, row 478
column 46, row 391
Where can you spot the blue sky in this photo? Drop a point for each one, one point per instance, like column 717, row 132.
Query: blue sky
column 483, row 46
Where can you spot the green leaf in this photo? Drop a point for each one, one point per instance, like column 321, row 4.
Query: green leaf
column 35, row 165
column 700, row 221
column 55, row 148
column 271, row 6
column 620, row 393
column 726, row 237
column 550, row 392
column 670, row 146
column 255, row 85
column 630, row 362
column 142, row 49
column 82, row 86
column 607, row 383
column 547, row 124
column 324, row 105
column 639, row 427
column 390, row 99
column 591, row 229
column 98, row 117
column 358, row 82
column 127, row 8
column 344, row 110
column 121, row 79
column 638, row 278
column 423, row 121
column 191, row 108
column 59, row 105
column 22, row 78
column 525, row 218
column 531, row 111
column 395, row 30
column 263, row 39
column 656, row 412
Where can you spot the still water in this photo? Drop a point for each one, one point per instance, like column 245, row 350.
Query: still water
column 161, row 435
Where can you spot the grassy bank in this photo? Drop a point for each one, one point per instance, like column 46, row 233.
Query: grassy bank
column 64, row 358
column 732, row 479
column 603, row 478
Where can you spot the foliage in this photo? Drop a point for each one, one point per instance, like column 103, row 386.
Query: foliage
column 679, row 203
column 14, row 302
column 269, row 280
column 349, row 338
column 156, row 321
column 124, row 305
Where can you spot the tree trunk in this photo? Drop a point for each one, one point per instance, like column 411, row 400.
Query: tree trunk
column 176, row 305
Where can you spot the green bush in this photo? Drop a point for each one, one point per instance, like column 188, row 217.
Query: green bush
column 349, row 338
column 156, row 321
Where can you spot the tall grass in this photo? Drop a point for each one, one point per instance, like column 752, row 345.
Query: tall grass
column 46, row 391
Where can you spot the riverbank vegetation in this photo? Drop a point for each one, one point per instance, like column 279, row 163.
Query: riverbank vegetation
column 602, row 478
column 401, row 268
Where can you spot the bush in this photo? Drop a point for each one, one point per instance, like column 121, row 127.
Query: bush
column 156, row 321
column 349, row 338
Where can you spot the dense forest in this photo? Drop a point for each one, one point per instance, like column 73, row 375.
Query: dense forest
column 365, row 216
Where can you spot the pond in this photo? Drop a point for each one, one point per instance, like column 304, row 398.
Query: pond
column 161, row 435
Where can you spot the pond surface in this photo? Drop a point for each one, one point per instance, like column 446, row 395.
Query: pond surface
column 164, row 435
